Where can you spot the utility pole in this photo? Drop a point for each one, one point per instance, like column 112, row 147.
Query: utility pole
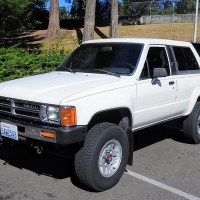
column 195, row 21
column 150, row 11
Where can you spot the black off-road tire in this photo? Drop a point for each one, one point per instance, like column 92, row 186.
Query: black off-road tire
column 88, row 158
column 191, row 124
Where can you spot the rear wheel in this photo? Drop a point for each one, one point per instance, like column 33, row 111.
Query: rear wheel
column 101, row 162
column 191, row 125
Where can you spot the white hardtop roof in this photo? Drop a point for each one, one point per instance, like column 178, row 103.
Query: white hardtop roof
column 139, row 40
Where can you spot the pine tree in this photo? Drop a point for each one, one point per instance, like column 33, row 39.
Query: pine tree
column 78, row 8
column 89, row 21
column 185, row 7
column 54, row 20
column 114, row 19
column 134, row 7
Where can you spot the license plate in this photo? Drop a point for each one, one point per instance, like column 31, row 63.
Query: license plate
column 9, row 131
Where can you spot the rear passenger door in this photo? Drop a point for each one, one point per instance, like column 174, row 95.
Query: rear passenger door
column 155, row 102
column 187, row 75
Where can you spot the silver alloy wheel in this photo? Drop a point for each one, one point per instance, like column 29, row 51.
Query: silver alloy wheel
column 110, row 158
column 198, row 124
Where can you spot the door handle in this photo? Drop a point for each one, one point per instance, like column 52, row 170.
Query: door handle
column 171, row 83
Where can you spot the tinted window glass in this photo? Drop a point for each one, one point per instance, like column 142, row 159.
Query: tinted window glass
column 180, row 58
column 185, row 59
column 84, row 58
column 197, row 47
column 156, row 58
column 120, row 58
column 145, row 71
column 190, row 59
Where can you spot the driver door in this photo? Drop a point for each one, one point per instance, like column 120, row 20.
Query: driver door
column 155, row 102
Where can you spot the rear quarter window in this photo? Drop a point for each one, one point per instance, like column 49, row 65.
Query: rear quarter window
column 185, row 59
column 197, row 47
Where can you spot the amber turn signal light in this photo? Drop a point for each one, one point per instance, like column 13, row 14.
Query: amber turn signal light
column 68, row 116
column 48, row 134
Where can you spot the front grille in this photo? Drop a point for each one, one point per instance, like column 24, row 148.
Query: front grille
column 20, row 108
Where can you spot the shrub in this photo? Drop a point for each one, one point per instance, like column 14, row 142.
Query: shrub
column 16, row 62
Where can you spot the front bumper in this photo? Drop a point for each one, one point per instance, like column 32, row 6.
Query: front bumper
column 30, row 129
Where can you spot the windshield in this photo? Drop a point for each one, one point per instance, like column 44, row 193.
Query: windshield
column 111, row 58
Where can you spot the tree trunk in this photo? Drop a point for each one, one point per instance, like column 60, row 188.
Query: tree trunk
column 54, row 20
column 89, row 21
column 113, row 33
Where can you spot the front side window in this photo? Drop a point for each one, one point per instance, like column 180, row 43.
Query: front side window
column 156, row 58
column 119, row 58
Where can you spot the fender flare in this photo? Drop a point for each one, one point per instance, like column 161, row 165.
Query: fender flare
column 125, row 123
column 193, row 99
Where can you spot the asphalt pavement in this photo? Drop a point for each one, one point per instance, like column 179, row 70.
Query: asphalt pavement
column 165, row 167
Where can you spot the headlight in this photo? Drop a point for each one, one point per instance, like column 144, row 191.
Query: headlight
column 50, row 113
column 54, row 114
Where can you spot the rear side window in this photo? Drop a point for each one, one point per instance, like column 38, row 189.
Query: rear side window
column 197, row 47
column 185, row 59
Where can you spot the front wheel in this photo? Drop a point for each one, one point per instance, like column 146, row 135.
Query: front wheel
column 101, row 162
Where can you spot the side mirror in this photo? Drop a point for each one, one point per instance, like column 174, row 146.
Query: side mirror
column 158, row 72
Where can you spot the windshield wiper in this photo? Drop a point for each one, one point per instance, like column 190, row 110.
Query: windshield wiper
column 107, row 72
column 68, row 69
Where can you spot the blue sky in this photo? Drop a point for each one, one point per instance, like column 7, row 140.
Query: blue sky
column 62, row 3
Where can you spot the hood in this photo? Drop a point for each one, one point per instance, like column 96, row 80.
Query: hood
column 53, row 87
